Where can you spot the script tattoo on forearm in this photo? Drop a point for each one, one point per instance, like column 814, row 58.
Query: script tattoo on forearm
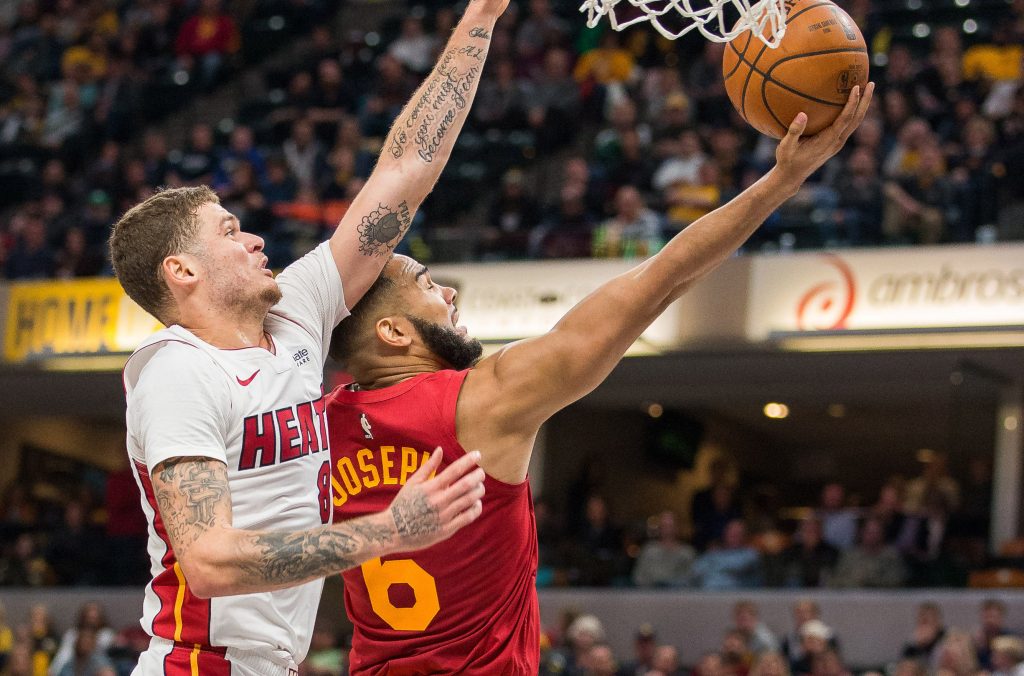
column 415, row 516
column 187, row 493
column 380, row 230
column 479, row 32
column 425, row 123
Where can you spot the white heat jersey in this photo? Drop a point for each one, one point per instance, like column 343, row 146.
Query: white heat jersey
column 261, row 413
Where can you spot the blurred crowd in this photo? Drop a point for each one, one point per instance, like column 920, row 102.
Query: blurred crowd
column 595, row 143
column 580, row 646
column 927, row 531
column 90, row 646
column 810, row 647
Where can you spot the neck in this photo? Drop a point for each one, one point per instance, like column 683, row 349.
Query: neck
column 393, row 371
column 225, row 329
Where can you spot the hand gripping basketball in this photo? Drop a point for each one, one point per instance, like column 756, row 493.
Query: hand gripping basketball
column 798, row 157
column 428, row 510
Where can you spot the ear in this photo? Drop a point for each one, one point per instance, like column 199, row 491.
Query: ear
column 181, row 272
column 394, row 331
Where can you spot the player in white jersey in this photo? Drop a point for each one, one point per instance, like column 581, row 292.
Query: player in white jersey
column 225, row 413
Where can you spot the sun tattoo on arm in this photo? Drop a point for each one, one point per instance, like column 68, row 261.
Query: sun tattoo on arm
column 380, row 230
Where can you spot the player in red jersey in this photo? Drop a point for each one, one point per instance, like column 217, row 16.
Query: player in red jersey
column 469, row 605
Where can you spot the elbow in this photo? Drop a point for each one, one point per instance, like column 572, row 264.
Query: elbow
column 207, row 575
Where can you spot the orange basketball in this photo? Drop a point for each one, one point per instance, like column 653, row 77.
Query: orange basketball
column 821, row 58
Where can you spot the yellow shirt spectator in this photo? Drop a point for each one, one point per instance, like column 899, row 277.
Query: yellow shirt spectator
column 993, row 62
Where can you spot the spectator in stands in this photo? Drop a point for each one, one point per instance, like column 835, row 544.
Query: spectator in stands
column 666, row 661
column 599, row 661
column 995, row 61
column 759, row 637
column 633, row 231
column 707, row 87
column 21, row 565
column 687, row 202
column 42, row 638
column 710, row 664
column 585, row 632
column 920, row 207
column 731, row 564
column 92, row 620
column 929, row 633
column 1007, row 656
column 736, row 657
column 809, row 561
column 198, row 161
column 889, row 510
column 599, row 557
column 20, row 661
column 88, row 659
column 644, row 646
column 503, row 99
column 815, row 639
column 126, row 529
column 924, row 543
column 206, row 41
column 514, row 214
column 76, row 549
column 305, row 154
column 665, row 561
column 31, row 257
column 714, row 506
column 859, row 198
column 829, row 663
column 241, row 148
column 871, row 563
column 804, row 611
column 414, row 48
column 391, row 89
column 607, row 64
column 770, row 664
column 540, row 31
column 566, row 231
column 957, row 656
column 992, row 616
column 6, row 638
column 838, row 521
column 554, row 101
column 935, row 476
column 683, row 166
column 75, row 258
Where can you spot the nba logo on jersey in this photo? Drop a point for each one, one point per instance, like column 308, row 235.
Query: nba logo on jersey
column 365, row 424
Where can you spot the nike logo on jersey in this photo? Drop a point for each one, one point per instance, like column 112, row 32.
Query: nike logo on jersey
column 245, row 383
column 365, row 424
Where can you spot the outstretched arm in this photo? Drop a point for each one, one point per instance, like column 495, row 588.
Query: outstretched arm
column 218, row 560
column 415, row 151
column 511, row 393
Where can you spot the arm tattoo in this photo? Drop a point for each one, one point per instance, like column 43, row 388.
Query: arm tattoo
column 284, row 558
column 479, row 32
column 381, row 229
column 439, row 103
column 415, row 516
column 187, row 493
column 291, row 558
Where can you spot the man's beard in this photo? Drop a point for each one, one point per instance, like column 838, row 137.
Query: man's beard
column 459, row 351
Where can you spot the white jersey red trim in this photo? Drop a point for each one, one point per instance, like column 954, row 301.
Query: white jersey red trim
column 261, row 412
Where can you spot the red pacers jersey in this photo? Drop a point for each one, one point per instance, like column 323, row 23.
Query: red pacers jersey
column 467, row 605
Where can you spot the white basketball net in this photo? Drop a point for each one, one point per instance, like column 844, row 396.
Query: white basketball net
column 765, row 18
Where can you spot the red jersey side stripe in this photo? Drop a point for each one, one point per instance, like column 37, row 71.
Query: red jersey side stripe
column 182, row 616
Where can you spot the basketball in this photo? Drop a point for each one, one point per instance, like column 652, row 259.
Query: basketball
column 820, row 59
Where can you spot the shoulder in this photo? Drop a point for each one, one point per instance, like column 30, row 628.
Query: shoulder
column 170, row 362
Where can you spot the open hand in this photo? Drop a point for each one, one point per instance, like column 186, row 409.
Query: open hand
column 800, row 157
column 428, row 510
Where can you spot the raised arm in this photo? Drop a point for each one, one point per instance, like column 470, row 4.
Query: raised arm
column 217, row 559
column 511, row 393
column 414, row 153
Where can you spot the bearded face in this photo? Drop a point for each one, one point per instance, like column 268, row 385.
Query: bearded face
column 460, row 351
